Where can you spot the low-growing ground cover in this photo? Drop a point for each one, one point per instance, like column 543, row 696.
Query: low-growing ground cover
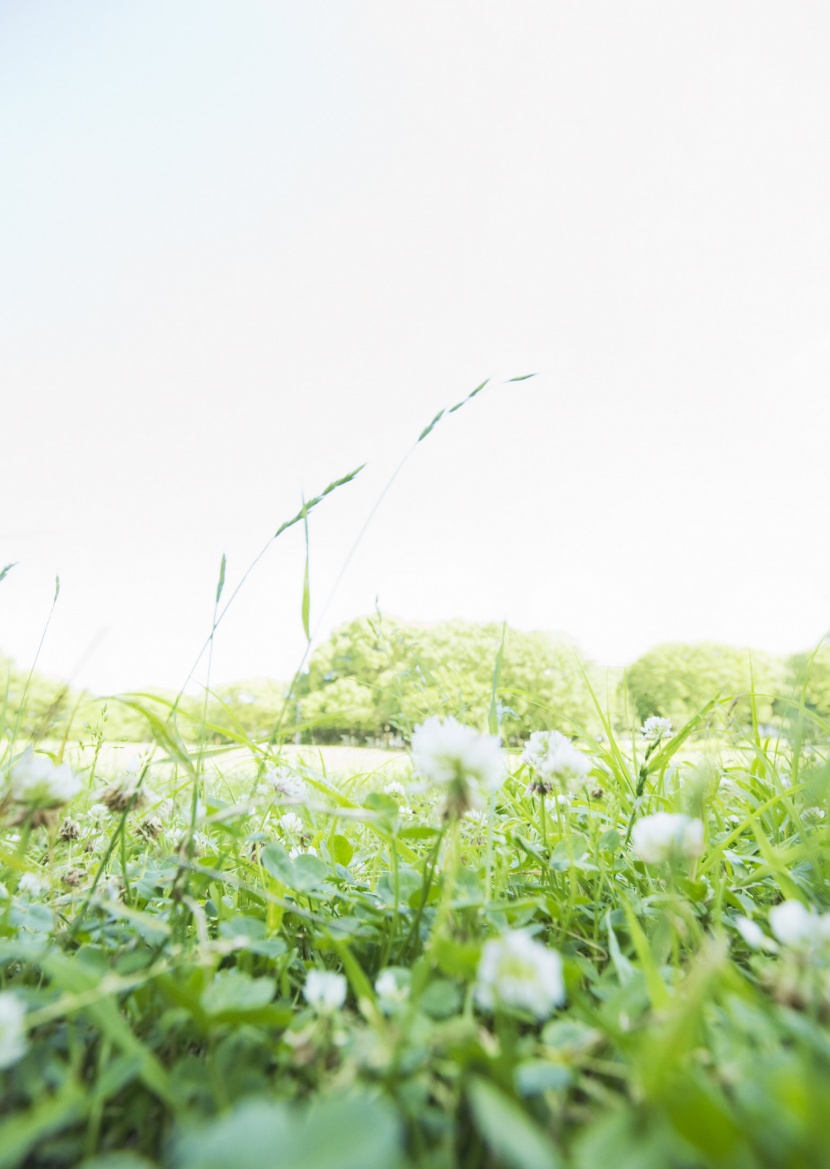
column 580, row 954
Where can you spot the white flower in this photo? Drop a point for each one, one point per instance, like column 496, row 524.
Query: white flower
column 288, row 786
column 656, row 728
column 37, row 782
column 324, row 991
column 666, row 835
column 751, row 932
column 395, row 789
column 793, row 924
column 554, row 760
column 405, row 812
column 392, row 985
column 450, row 755
column 98, row 812
column 516, row 971
column 295, row 852
column 12, row 1032
column 478, row 817
column 291, row 823
column 32, row 884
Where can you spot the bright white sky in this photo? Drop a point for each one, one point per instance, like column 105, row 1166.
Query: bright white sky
column 247, row 246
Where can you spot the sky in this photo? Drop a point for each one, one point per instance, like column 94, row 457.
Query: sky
column 245, row 248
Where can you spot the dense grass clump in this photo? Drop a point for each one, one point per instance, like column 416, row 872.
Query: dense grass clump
column 581, row 953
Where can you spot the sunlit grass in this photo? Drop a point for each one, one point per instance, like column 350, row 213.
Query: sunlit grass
column 163, row 954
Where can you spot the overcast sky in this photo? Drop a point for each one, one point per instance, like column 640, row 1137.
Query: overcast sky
column 247, row 246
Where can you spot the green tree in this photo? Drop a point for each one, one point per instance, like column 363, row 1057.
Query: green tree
column 675, row 680
column 809, row 674
column 407, row 672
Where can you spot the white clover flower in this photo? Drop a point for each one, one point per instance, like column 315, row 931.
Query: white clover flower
column 12, row 1031
column 793, row 924
column 395, row 789
column 453, row 756
column 751, row 932
column 555, row 761
column 287, row 785
column 98, row 812
column 325, row 991
column 295, row 852
column 291, row 824
column 392, row 985
column 655, row 728
column 476, row 815
column 36, row 782
column 4, row 893
column 666, row 836
column 32, row 884
column 516, row 971
column 405, row 812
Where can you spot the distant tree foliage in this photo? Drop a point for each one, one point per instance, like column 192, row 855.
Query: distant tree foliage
column 810, row 675
column 675, row 680
column 377, row 678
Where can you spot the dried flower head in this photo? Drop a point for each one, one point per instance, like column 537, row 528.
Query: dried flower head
column 118, row 797
column 150, row 827
column 70, row 829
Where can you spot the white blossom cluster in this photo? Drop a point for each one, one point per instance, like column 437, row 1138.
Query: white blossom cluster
column 666, row 836
column 798, row 927
column 655, row 728
column 517, row 971
column 287, row 785
column 555, row 761
column 36, row 782
column 458, row 759
column 325, row 991
column 392, row 987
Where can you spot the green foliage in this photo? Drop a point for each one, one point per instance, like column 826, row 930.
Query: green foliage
column 675, row 680
column 165, row 965
column 376, row 677
column 810, row 676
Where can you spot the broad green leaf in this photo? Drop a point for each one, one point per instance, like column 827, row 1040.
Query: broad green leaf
column 233, row 992
column 514, row 1138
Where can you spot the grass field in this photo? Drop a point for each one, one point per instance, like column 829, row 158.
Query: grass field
column 245, row 960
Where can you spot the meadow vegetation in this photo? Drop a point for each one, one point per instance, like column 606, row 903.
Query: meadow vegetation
column 562, row 954
column 570, row 920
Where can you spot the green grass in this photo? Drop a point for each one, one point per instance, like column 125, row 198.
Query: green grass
column 163, row 966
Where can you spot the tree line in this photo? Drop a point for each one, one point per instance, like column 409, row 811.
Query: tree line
column 376, row 677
